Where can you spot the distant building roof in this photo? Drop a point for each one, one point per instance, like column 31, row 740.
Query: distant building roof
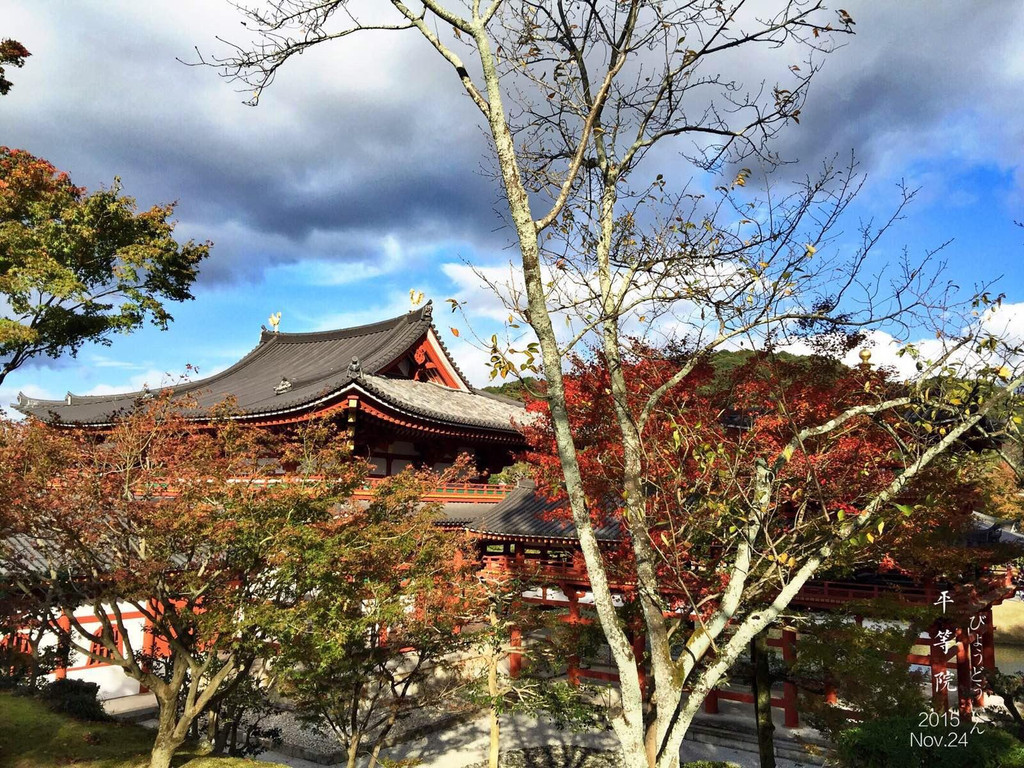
column 987, row 529
column 292, row 373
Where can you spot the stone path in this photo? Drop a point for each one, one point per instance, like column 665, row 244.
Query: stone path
column 466, row 742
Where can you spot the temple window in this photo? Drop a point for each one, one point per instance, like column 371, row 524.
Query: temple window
column 102, row 651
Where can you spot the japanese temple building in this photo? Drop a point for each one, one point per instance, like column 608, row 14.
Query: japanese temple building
column 403, row 400
column 392, row 382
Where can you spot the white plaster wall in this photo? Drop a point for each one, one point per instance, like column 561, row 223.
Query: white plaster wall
column 111, row 679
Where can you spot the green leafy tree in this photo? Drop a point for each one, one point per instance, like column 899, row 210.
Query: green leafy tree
column 866, row 665
column 1010, row 687
column 537, row 688
column 76, row 267
column 380, row 596
column 175, row 520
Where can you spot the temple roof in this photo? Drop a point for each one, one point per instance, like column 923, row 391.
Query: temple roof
column 291, row 373
column 526, row 513
column 440, row 403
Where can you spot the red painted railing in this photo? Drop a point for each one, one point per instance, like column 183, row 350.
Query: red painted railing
column 471, row 492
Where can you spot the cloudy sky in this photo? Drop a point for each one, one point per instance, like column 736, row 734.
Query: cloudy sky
column 359, row 177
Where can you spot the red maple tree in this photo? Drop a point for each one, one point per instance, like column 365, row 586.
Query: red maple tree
column 719, row 425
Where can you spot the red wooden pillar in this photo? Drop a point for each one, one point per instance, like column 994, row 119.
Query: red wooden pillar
column 573, row 672
column 940, row 676
column 711, row 702
column 963, row 672
column 831, row 694
column 64, row 643
column 792, row 717
column 515, row 658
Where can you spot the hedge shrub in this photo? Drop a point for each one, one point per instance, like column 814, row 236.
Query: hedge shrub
column 75, row 698
column 886, row 742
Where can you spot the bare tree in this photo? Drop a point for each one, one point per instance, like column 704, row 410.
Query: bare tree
column 578, row 97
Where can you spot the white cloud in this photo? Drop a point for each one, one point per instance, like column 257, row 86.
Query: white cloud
column 9, row 396
column 152, row 379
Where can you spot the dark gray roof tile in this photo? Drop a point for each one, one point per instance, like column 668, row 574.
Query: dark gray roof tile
column 435, row 401
column 527, row 513
column 317, row 366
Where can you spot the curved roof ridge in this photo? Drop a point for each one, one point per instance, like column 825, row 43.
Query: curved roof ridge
column 447, row 353
column 421, row 315
column 187, row 386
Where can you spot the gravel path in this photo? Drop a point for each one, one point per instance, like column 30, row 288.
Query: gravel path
column 465, row 745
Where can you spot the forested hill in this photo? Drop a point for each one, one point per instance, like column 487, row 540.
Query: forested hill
column 725, row 362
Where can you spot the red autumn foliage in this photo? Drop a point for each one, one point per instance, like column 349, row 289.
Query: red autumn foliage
column 714, row 428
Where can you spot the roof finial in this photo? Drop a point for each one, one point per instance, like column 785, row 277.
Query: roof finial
column 274, row 320
column 354, row 368
column 865, row 359
column 428, row 311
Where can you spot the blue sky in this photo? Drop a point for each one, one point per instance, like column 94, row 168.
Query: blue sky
column 352, row 185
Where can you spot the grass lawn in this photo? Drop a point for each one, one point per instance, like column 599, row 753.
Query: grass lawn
column 31, row 736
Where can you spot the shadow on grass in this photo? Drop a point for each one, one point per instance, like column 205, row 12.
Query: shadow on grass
column 31, row 736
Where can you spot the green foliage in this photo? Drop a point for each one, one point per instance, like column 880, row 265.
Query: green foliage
column 236, row 722
column 22, row 669
column 76, row 698
column 76, row 267
column 538, row 690
column 204, row 537
column 858, row 661
column 886, row 742
column 517, row 389
column 1010, row 688
column 512, row 474
column 377, row 599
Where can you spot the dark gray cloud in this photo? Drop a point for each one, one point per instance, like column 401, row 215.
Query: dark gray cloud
column 372, row 138
column 352, row 144
column 920, row 80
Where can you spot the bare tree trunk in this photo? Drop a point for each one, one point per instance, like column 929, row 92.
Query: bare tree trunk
column 495, row 747
column 167, row 739
column 162, row 754
column 763, row 699
column 381, row 737
column 213, row 731
column 628, row 723
column 353, row 749
column 492, row 689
